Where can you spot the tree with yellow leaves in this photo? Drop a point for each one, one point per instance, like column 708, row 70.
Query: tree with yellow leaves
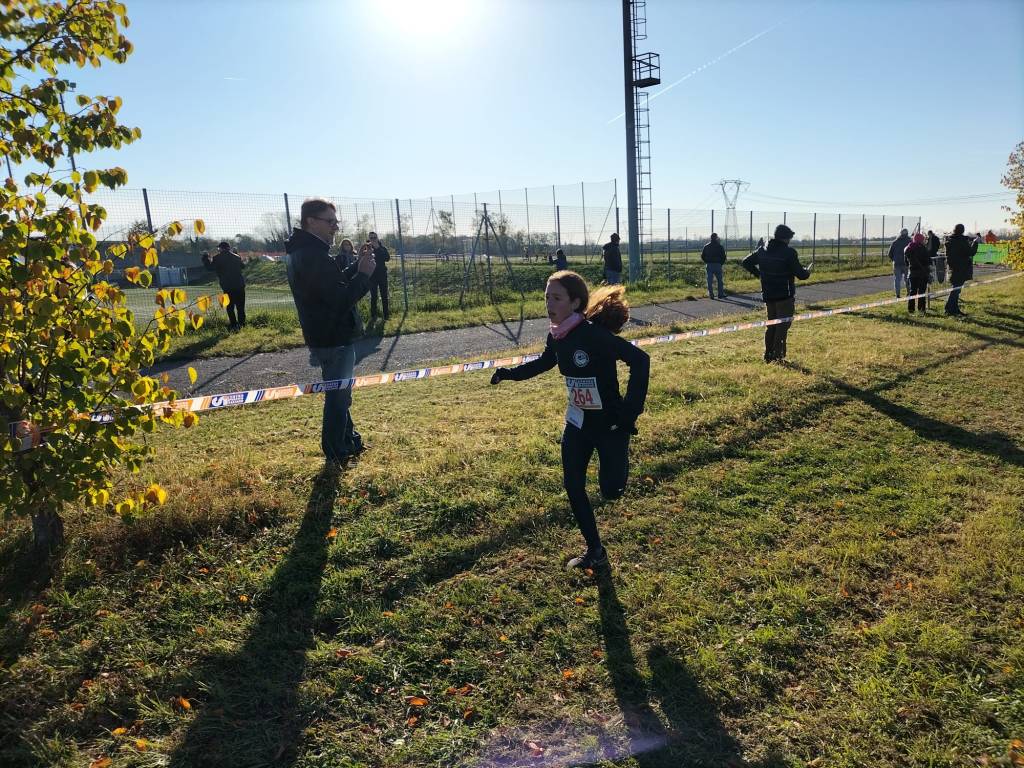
column 69, row 346
column 1014, row 180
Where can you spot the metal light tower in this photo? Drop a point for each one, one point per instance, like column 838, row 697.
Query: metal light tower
column 731, row 189
column 640, row 70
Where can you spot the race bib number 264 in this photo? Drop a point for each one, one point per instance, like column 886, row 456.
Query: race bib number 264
column 583, row 393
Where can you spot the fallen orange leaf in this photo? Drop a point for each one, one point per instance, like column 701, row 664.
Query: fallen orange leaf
column 332, row 534
column 342, row 653
column 120, row 731
column 243, row 599
column 579, row 601
column 597, row 653
column 101, row 762
column 411, row 722
column 416, row 701
column 568, row 674
column 184, row 703
column 141, row 744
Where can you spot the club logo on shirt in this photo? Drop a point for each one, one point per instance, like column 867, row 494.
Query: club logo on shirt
column 581, row 358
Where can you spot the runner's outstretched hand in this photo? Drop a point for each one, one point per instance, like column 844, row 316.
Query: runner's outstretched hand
column 500, row 375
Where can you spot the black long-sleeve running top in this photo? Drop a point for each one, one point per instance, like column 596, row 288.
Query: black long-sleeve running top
column 587, row 357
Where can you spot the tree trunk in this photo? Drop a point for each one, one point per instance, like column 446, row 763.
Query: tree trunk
column 47, row 531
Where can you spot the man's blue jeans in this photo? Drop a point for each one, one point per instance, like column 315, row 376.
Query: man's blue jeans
column 900, row 278
column 612, row 277
column 338, row 437
column 715, row 271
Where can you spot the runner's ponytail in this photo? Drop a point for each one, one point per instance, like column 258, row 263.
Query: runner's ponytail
column 608, row 307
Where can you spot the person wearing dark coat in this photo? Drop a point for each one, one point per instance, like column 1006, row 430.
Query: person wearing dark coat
column 228, row 266
column 713, row 256
column 560, row 261
column 379, row 281
column 919, row 264
column 612, row 260
column 776, row 264
column 933, row 245
column 899, row 266
column 960, row 251
column 326, row 295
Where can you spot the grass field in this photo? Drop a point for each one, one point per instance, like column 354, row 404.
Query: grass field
column 815, row 565
column 434, row 300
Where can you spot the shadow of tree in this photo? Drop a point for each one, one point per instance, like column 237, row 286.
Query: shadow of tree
column 248, row 711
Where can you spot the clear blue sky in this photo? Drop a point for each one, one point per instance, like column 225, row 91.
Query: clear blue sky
column 893, row 100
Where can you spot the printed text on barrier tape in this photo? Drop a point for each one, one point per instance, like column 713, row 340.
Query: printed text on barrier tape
column 30, row 437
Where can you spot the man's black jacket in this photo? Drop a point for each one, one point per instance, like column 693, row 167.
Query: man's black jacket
column 381, row 256
column 612, row 257
column 325, row 294
column 960, row 251
column 228, row 267
column 713, row 253
column 776, row 264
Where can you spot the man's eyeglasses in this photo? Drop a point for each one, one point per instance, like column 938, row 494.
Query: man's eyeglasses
column 321, row 218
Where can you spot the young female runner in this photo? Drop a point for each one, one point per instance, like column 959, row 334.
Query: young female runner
column 583, row 343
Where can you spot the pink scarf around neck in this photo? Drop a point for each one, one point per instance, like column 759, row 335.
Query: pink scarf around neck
column 561, row 330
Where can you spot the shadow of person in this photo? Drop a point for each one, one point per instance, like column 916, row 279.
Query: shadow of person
column 644, row 730
column 248, row 699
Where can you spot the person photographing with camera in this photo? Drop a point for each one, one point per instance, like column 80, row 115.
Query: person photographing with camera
column 326, row 297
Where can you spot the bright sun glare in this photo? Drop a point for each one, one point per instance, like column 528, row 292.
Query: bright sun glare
column 427, row 20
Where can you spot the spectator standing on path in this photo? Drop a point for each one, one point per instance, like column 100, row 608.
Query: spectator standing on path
column 583, row 344
column 346, row 254
column 919, row 264
column 776, row 264
column 899, row 265
column 960, row 251
column 379, row 281
column 228, row 266
column 933, row 253
column 326, row 296
column 561, row 262
column 713, row 256
column 612, row 260
column 990, row 238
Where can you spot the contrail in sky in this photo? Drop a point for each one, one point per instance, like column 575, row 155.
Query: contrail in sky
column 702, row 67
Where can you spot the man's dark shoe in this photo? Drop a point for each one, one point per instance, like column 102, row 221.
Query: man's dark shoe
column 589, row 560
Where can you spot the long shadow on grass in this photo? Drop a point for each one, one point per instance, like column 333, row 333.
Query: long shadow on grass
column 23, row 576
column 249, row 714
column 693, row 734
column 961, row 328
column 682, row 453
column 995, row 444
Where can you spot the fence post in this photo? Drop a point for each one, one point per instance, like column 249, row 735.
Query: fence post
column 529, row 243
column 883, row 235
column 668, row 212
column 149, row 216
column 712, row 219
column 615, row 196
column 839, row 239
column 750, row 239
column 583, row 200
column 455, row 229
column 863, row 238
column 558, row 227
column 401, row 254
column 814, row 238
column 783, row 218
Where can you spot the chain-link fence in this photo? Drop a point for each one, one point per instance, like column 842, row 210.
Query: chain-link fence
column 465, row 250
